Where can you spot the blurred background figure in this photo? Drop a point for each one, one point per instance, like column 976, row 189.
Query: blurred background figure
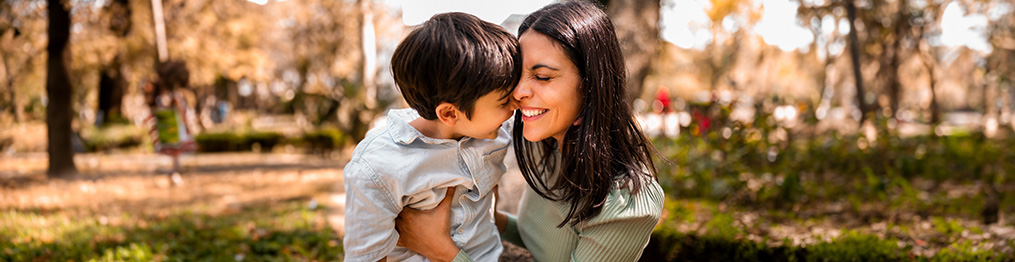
column 172, row 114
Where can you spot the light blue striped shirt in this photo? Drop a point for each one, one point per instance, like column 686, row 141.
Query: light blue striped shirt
column 397, row 166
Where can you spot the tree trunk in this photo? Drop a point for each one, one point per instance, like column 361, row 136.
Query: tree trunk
column 111, row 81
column 991, row 205
column 58, row 88
column 935, row 110
column 637, row 25
column 854, row 53
column 368, row 44
column 15, row 108
column 901, row 29
column 111, row 90
column 988, row 101
column 160, row 31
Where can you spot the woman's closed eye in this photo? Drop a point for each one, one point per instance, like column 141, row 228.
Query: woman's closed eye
column 538, row 78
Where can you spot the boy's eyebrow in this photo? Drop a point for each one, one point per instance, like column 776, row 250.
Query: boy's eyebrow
column 537, row 66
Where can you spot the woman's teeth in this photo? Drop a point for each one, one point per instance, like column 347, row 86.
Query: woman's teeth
column 533, row 112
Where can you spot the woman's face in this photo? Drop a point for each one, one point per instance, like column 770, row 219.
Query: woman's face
column 548, row 91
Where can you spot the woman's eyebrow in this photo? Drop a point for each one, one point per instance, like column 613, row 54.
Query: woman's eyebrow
column 537, row 66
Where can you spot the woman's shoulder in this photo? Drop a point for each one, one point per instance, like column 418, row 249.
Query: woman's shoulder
column 641, row 200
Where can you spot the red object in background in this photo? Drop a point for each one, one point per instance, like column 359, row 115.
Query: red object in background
column 702, row 120
column 663, row 96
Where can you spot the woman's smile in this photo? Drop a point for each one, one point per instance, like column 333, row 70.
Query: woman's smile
column 532, row 113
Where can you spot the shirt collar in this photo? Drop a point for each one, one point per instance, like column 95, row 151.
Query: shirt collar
column 405, row 134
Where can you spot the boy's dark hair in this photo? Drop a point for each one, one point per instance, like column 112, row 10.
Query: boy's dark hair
column 455, row 58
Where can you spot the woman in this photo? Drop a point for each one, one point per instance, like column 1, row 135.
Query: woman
column 592, row 192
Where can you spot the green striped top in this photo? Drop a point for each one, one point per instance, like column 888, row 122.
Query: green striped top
column 619, row 233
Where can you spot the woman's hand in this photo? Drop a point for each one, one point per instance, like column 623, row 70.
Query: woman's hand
column 427, row 232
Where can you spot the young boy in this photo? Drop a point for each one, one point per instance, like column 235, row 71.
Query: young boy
column 457, row 73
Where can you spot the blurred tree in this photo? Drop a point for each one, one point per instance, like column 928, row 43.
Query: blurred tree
column 112, row 83
column 854, row 54
column 21, row 49
column 1001, row 36
column 892, row 33
column 59, row 109
column 927, row 25
column 219, row 39
column 637, row 25
column 720, row 55
column 1000, row 72
column 368, row 44
column 326, row 68
column 895, row 46
column 816, row 18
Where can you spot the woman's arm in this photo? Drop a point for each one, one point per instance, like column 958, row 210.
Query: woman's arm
column 623, row 228
column 620, row 240
column 509, row 230
column 426, row 231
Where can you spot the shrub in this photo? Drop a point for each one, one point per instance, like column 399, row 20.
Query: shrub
column 266, row 140
column 324, row 140
column 219, row 142
column 97, row 139
column 857, row 247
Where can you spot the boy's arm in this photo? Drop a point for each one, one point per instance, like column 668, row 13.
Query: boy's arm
column 370, row 211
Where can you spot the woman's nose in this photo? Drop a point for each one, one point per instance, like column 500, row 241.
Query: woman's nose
column 522, row 91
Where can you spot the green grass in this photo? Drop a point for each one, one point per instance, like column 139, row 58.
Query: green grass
column 699, row 230
column 281, row 231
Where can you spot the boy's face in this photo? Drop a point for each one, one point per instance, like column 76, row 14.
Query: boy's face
column 489, row 112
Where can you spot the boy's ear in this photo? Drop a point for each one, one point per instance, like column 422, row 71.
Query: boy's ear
column 447, row 113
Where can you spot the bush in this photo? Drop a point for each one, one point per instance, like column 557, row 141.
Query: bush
column 324, row 140
column 265, row 140
column 219, row 142
column 670, row 245
column 857, row 247
column 718, row 162
column 229, row 141
column 97, row 139
column 317, row 141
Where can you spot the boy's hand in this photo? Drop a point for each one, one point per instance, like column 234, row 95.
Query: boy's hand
column 427, row 231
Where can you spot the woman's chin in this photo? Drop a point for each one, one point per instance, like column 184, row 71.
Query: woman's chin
column 533, row 137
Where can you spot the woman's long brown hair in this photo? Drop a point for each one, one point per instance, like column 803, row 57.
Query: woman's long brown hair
column 607, row 148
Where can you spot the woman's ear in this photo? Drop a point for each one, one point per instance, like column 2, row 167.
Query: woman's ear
column 447, row 113
column 577, row 122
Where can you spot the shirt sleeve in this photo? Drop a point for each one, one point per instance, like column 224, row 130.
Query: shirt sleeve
column 623, row 229
column 370, row 212
column 461, row 257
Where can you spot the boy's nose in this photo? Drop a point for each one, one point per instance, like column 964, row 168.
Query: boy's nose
column 513, row 104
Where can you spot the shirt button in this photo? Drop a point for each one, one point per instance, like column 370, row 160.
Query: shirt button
column 460, row 231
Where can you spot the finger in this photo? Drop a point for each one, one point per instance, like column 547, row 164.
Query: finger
column 448, row 196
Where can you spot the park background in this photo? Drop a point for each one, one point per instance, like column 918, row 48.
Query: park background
column 783, row 133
